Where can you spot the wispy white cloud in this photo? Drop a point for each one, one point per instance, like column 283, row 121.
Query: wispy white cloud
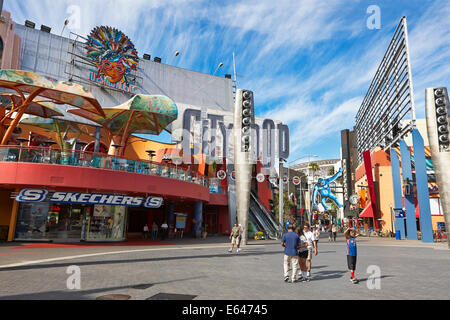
column 309, row 62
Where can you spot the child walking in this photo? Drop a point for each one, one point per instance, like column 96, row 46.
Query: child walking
column 350, row 236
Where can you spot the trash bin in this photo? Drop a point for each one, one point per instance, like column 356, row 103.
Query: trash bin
column 397, row 235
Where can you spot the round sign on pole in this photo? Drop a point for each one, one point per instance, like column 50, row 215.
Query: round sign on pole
column 296, row 180
column 233, row 175
column 272, row 179
column 260, row 177
column 354, row 199
column 285, row 180
column 221, row 174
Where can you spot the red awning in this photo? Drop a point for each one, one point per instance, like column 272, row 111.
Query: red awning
column 367, row 212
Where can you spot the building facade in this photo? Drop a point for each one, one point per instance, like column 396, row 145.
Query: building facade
column 384, row 188
column 57, row 195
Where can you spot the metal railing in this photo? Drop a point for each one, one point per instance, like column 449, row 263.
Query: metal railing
column 98, row 161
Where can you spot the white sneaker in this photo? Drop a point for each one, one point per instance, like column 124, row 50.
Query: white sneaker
column 230, row 250
column 308, row 274
column 238, row 250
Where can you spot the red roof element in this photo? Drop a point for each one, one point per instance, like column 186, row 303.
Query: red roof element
column 367, row 212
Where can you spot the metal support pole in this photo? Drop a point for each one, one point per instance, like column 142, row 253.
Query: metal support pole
column 97, row 139
column 440, row 156
column 280, row 196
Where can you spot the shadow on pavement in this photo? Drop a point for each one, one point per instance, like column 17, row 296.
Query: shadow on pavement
column 87, row 263
column 381, row 277
column 324, row 275
column 82, row 294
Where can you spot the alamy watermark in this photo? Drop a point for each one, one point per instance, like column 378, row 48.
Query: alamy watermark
column 74, row 18
column 374, row 280
column 374, row 20
column 74, row 280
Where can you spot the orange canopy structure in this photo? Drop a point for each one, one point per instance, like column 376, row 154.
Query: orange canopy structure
column 36, row 85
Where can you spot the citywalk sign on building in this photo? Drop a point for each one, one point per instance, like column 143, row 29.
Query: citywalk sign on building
column 41, row 195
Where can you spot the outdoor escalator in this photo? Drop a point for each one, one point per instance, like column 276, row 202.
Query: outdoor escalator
column 262, row 220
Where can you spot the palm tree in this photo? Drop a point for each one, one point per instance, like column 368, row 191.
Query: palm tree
column 288, row 204
column 314, row 167
column 331, row 171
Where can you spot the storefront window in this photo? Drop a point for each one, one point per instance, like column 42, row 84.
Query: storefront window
column 32, row 221
column 70, row 222
column 106, row 223
column 45, row 221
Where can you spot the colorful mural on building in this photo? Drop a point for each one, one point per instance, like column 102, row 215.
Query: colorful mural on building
column 113, row 54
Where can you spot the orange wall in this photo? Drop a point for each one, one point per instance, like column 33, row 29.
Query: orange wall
column 386, row 195
column 137, row 147
column 6, row 204
column 435, row 220
column 382, row 174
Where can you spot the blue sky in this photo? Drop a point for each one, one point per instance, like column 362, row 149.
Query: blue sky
column 309, row 62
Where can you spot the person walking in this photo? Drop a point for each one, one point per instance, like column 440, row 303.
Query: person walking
column 330, row 233
column 291, row 243
column 312, row 243
column 350, row 236
column 145, row 231
column 334, row 231
column 235, row 236
column 316, row 232
column 154, row 231
column 302, row 254
column 164, row 229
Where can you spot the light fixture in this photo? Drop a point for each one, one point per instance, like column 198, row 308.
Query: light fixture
column 438, row 92
column 440, row 101
column 218, row 67
column 29, row 24
column 46, row 29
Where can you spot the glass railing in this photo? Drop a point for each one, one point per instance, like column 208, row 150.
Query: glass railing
column 98, row 160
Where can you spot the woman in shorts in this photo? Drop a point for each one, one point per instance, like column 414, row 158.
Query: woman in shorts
column 302, row 254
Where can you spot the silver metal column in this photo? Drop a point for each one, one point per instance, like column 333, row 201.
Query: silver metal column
column 242, row 149
column 437, row 115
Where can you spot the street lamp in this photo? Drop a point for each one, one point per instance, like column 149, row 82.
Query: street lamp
column 218, row 67
column 177, row 53
column 280, row 194
column 66, row 22
column 151, row 154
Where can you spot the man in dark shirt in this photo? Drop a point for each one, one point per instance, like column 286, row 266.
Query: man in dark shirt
column 291, row 243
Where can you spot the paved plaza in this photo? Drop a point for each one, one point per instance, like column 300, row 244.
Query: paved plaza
column 203, row 269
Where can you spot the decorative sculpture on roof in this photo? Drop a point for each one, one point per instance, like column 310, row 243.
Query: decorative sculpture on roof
column 113, row 53
column 323, row 188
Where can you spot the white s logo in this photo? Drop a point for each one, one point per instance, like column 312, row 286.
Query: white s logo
column 153, row 202
column 31, row 195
